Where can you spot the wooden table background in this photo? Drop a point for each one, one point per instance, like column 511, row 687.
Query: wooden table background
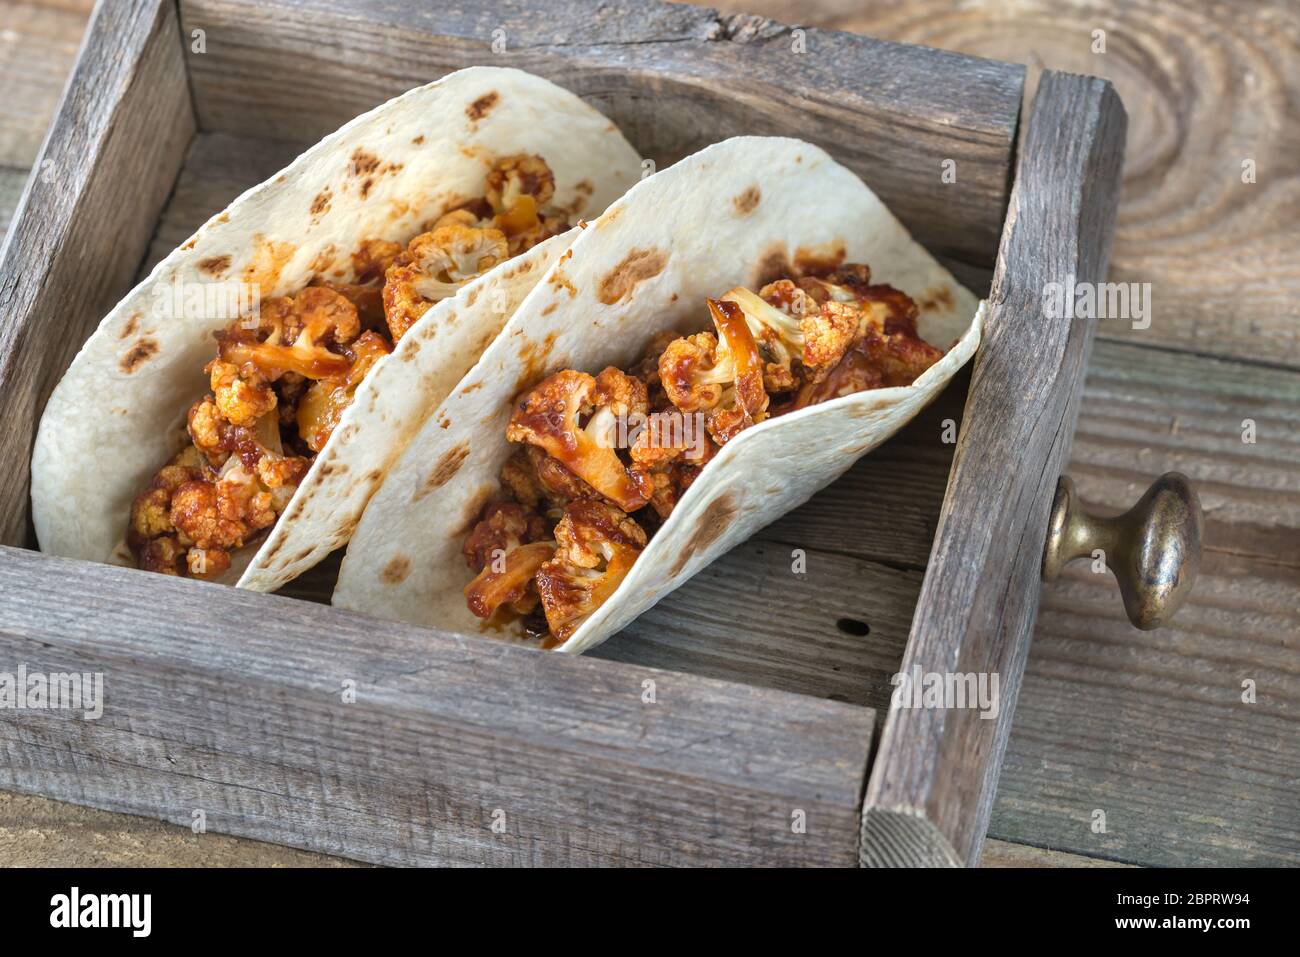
column 1149, row 728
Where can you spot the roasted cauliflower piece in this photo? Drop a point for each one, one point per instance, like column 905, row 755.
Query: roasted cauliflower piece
column 506, row 550
column 325, row 401
column 517, row 176
column 434, row 267
column 721, row 377
column 241, row 394
column 502, row 527
column 597, row 545
column 570, row 416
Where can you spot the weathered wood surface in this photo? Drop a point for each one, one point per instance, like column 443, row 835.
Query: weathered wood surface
column 445, row 736
column 1150, row 727
column 38, row 45
column 935, row 772
column 1144, row 411
column 674, row 78
column 1207, row 85
column 103, row 175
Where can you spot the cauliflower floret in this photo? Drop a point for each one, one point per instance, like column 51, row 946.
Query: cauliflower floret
column 591, row 531
column 505, row 548
column 827, row 334
column 162, row 555
column 511, row 583
column 721, row 377
column 207, row 430
column 517, row 176
column 549, row 417
column 504, row 526
column 197, row 515
column 436, row 265
column 242, row 394
column 592, row 534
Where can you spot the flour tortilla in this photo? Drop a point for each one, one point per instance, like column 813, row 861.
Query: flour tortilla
column 729, row 215
column 119, row 412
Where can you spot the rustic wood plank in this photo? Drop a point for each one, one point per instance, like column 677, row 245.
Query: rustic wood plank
column 38, row 44
column 1007, row 854
column 249, row 725
column 1150, row 727
column 933, row 778
column 1207, row 85
column 674, row 78
column 106, row 170
column 11, row 189
column 38, row 832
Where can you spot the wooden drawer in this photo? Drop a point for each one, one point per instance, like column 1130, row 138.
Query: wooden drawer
column 769, row 737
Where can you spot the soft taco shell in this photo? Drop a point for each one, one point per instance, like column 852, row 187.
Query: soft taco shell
column 119, row 412
column 738, row 212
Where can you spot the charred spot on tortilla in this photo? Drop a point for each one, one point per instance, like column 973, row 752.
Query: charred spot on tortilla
column 447, row 466
column 550, row 309
column 395, row 572
column 747, row 201
column 191, row 242
column 140, row 353
column 268, row 261
column 132, row 325
column 362, row 163
column 419, row 140
column 772, row 265
column 480, row 107
column 719, row 517
column 637, row 266
column 408, row 350
column 940, row 297
column 321, row 202
column 534, row 360
column 559, row 280
column 819, row 260
column 214, row 265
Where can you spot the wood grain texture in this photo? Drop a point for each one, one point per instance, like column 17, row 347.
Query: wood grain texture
column 11, row 189
column 38, row 832
column 674, row 78
column 104, row 174
column 252, row 729
column 935, row 772
column 38, row 45
column 1207, row 85
column 1151, row 727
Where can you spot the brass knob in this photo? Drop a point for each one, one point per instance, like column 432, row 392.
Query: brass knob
column 1154, row 548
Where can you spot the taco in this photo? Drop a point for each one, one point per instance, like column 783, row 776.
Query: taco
column 726, row 339
column 231, row 417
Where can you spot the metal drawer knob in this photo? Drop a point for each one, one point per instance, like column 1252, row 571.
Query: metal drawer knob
column 1154, row 548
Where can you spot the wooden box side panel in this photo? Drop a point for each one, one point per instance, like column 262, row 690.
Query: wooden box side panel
column 331, row 731
column 933, row 780
column 83, row 225
column 675, row 78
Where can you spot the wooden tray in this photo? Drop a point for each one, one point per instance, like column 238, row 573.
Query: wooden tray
column 766, row 741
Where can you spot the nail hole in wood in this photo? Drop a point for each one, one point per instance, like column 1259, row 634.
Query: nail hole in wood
column 851, row 626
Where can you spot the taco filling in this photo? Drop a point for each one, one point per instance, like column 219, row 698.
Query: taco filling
column 281, row 380
column 602, row 461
